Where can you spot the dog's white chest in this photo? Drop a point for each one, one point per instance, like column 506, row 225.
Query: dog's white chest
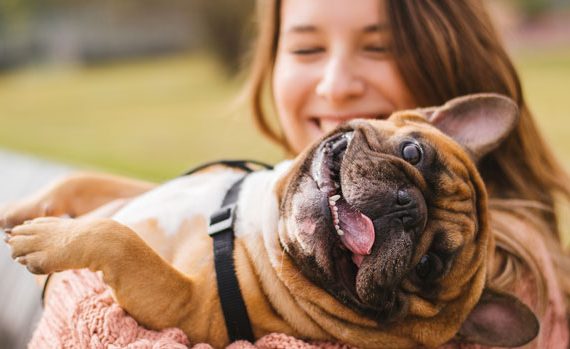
column 178, row 200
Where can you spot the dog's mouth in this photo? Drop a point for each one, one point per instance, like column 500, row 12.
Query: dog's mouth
column 354, row 229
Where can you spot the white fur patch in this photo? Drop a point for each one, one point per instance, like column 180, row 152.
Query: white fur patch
column 180, row 199
column 256, row 199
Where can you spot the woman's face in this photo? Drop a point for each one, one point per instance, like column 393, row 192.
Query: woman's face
column 332, row 65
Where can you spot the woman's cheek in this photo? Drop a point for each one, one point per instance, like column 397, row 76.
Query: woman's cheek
column 292, row 90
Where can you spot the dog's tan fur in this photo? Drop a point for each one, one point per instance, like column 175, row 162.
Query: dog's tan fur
column 162, row 272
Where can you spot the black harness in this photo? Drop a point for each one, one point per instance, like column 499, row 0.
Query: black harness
column 221, row 229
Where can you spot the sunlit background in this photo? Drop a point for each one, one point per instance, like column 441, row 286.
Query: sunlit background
column 147, row 87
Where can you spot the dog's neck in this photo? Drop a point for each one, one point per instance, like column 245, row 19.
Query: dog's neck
column 257, row 239
column 299, row 306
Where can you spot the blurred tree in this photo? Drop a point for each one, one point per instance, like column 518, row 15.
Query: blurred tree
column 82, row 31
column 534, row 8
column 228, row 29
column 14, row 30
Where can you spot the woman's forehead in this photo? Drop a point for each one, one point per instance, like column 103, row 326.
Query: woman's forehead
column 301, row 16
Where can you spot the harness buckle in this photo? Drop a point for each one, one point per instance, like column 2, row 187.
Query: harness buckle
column 222, row 220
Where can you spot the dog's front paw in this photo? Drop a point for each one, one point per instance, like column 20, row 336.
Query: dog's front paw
column 48, row 244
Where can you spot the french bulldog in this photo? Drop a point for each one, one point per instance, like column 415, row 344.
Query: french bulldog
column 376, row 236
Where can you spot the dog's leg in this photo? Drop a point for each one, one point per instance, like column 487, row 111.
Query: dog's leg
column 73, row 195
column 144, row 284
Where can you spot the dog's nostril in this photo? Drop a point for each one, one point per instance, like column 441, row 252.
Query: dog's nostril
column 404, row 197
column 407, row 221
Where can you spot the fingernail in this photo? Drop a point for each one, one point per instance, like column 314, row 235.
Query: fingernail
column 6, row 238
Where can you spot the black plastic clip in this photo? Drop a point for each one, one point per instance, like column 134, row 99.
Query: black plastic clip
column 222, row 220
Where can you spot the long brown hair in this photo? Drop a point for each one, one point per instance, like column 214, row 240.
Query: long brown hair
column 446, row 49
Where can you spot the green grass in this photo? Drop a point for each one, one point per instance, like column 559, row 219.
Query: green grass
column 546, row 83
column 154, row 118
column 151, row 119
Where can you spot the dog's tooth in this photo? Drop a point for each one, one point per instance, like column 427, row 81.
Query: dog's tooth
column 337, row 227
column 335, row 218
column 335, row 209
column 340, row 232
column 332, row 203
column 335, row 197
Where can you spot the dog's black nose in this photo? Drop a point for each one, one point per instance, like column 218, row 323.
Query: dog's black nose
column 410, row 207
column 403, row 197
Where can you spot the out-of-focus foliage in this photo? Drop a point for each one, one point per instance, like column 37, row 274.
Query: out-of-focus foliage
column 229, row 29
column 83, row 32
column 534, row 8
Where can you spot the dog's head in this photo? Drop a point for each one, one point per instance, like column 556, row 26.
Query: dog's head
column 389, row 216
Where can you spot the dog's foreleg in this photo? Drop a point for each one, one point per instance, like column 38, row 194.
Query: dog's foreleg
column 144, row 284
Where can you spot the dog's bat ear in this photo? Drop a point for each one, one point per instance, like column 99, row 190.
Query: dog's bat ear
column 479, row 122
column 499, row 319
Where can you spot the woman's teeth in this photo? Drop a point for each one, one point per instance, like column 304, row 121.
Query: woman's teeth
column 326, row 124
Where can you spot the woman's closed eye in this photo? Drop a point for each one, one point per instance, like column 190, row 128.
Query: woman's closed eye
column 377, row 51
column 305, row 51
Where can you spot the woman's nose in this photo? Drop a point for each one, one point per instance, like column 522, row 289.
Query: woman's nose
column 339, row 83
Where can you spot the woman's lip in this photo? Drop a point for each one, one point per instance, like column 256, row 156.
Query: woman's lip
column 326, row 123
column 347, row 117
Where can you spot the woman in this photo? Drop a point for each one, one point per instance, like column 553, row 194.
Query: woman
column 329, row 61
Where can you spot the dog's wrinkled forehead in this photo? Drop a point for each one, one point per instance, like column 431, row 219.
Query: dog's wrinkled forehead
column 445, row 172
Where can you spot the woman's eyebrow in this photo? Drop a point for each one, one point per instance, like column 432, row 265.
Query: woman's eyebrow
column 301, row 28
column 375, row 28
column 308, row 28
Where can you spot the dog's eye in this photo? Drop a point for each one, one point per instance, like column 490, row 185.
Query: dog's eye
column 429, row 267
column 412, row 153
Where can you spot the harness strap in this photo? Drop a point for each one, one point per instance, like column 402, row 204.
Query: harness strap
column 241, row 164
column 221, row 229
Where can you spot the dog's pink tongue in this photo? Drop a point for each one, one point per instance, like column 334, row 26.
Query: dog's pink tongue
column 358, row 229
